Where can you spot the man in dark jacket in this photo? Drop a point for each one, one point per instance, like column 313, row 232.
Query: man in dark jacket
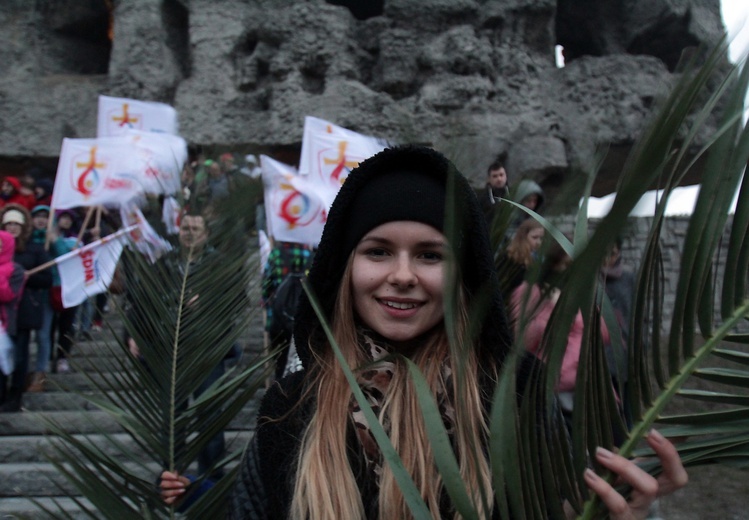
column 198, row 258
column 497, row 187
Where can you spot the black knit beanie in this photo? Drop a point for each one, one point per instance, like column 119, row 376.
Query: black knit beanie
column 393, row 196
column 404, row 183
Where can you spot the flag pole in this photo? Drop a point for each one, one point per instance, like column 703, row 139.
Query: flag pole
column 97, row 221
column 42, row 267
column 50, row 223
column 84, row 225
column 109, row 238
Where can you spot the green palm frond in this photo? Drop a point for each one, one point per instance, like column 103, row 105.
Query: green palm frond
column 658, row 374
column 536, row 465
column 185, row 316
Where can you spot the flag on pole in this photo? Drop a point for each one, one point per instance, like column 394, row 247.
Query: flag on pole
column 330, row 152
column 95, row 172
column 88, row 271
column 117, row 115
column 170, row 212
column 160, row 158
column 144, row 238
column 295, row 206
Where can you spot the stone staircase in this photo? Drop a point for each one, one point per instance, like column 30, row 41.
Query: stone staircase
column 26, row 475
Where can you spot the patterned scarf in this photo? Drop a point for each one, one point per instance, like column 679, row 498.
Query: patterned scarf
column 374, row 382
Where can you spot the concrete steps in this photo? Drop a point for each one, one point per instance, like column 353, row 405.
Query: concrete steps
column 26, row 508
column 28, row 478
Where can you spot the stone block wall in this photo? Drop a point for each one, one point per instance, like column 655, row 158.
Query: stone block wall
column 673, row 234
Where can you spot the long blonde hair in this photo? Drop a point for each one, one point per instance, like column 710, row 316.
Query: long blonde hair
column 325, row 486
column 519, row 250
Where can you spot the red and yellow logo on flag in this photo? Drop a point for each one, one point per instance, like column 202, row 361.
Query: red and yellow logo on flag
column 124, row 117
column 87, row 172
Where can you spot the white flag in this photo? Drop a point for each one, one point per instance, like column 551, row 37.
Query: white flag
column 170, row 212
column 89, row 270
column 144, row 237
column 94, row 172
column 117, row 115
column 330, row 152
column 295, row 206
column 161, row 158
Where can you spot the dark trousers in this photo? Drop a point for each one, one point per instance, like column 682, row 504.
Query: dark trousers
column 62, row 331
column 101, row 302
column 214, row 449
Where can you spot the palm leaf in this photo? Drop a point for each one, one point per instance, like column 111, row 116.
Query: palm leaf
column 535, row 465
column 186, row 319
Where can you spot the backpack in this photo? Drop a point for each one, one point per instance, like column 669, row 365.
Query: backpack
column 284, row 303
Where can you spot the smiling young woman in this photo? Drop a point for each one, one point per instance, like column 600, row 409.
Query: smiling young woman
column 404, row 228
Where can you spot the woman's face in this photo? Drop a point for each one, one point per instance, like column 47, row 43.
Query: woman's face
column 14, row 228
column 535, row 237
column 64, row 221
column 39, row 220
column 398, row 279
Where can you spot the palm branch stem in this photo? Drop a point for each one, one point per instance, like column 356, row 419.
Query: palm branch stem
column 175, row 350
column 676, row 382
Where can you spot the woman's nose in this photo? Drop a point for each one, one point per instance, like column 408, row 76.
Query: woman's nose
column 403, row 273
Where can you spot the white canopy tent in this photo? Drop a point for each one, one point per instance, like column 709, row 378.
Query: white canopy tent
column 680, row 203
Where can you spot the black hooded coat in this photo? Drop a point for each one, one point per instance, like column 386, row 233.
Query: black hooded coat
column 265, row 484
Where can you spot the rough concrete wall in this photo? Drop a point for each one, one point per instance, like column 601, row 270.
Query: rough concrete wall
column 673, row 233
column 473, row 77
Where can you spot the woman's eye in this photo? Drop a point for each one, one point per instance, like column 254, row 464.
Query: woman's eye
column 376, row 251
column 432, row 256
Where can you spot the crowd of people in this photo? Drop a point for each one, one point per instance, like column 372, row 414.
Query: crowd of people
column 380, row 274
column 32, row 309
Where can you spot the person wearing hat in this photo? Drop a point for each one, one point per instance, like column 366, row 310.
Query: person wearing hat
column 43, row 192
column 11, row 192
column 16, row 220
column 381, row 276
column 37, row 379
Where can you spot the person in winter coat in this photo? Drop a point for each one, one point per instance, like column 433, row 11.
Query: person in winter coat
column 16, row 220
column 43, row 192
column 11, row 192
column 619, row 284
column 37, row 378
column 380, row 275
column 285, row 258
column 11, row 285
column 529, row 194
column 497, row 187
column 542, row 299
column 522, row 251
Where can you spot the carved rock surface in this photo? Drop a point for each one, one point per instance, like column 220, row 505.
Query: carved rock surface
column 473, row 77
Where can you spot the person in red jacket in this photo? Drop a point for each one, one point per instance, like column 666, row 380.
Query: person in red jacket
column 11, row 286
column 11, row 192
